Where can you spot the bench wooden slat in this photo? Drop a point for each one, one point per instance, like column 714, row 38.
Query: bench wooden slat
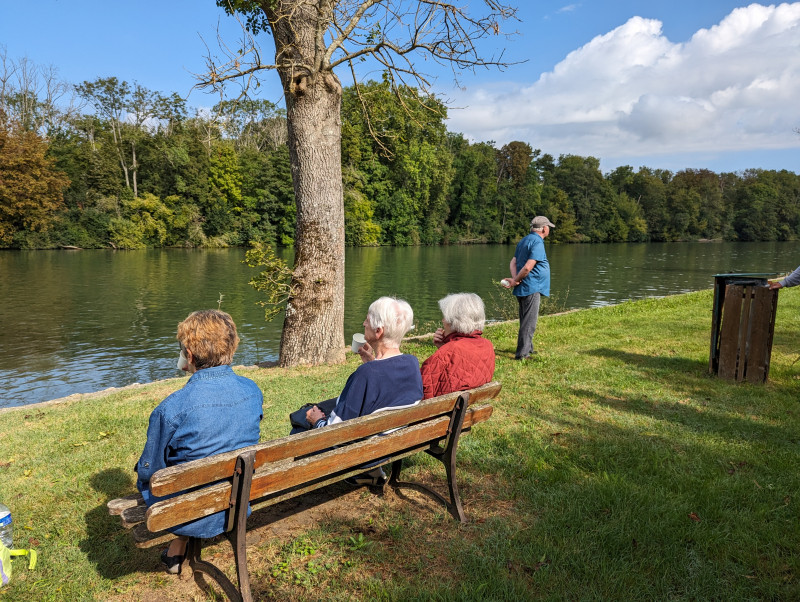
column 144, row 538
column 116, row 507
column 276, row 477
column 292, row 492
column 133, row 515
column 209, row 470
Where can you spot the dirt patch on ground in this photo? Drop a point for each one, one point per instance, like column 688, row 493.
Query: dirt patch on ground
column 343, row 511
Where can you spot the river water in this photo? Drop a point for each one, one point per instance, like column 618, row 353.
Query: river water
column 82, row 321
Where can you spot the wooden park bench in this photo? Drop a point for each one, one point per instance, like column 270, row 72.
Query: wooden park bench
column 281, row 469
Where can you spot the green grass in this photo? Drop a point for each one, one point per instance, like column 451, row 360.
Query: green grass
column 614, row 467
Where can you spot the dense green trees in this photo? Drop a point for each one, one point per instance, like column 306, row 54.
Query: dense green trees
column 135, row 168
column 397, row 168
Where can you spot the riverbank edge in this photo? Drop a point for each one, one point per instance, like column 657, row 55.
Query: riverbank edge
column 260, row 366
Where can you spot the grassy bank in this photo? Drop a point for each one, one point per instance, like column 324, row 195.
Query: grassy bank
column 614, row 467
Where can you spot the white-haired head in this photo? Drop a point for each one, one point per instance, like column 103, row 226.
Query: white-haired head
column 395, row 316
column 463, row 311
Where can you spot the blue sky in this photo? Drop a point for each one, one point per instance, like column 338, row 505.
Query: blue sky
column 667, row 84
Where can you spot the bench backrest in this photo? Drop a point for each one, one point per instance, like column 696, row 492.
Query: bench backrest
column 298, row 460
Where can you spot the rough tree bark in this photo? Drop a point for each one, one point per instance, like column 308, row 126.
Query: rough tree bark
column 313, row 330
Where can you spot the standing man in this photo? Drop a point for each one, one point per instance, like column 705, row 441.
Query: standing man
column 530, row 277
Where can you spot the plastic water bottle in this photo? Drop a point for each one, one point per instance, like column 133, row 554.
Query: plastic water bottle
column 5, row 526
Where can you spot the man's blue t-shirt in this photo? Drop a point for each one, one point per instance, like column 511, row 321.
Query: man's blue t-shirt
column 538, row 280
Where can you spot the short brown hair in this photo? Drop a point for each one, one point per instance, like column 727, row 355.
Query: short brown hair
column 210, row 335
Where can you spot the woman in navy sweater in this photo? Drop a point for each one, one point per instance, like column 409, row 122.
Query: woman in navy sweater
column 391, row 381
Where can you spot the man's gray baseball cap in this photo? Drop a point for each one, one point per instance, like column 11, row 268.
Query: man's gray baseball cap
column 540, row 221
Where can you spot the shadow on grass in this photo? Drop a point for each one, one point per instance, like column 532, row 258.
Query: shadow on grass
column 699, row 387
column 654, row 365
column 734, row 429
column 607, row 501
column 108, row 545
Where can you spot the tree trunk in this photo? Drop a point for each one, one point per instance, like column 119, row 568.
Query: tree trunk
column 313, row 331
column 134, row 169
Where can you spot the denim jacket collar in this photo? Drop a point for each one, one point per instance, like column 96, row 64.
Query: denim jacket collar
column 214, row 372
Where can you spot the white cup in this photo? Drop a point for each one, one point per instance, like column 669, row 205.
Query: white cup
column 358, row 340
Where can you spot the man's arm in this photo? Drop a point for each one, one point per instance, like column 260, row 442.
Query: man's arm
column 792, row 279
column 526, row 269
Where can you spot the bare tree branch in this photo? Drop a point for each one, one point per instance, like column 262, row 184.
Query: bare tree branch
column 364, row 107
column 34, row 96
column 395, row 33
column 348, row 29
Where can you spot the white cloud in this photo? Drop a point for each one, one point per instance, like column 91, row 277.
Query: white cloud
column 631, row 91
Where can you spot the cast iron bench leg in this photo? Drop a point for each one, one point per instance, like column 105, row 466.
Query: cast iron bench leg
column 237, row 527
column 447, row 456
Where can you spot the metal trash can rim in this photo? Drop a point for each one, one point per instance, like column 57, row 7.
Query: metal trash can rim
column 748, row 275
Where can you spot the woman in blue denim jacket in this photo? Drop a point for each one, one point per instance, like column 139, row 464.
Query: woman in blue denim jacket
column 216, row 411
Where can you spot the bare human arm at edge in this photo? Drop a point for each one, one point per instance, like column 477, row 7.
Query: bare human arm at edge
column 792, row 279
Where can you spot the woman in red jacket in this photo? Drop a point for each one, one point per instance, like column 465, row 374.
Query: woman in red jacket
column 465, row 359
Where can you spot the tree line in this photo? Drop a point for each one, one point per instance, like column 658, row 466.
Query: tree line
column 111, row 163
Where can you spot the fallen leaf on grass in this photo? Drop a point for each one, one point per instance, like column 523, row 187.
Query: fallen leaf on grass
column 33, row 542
column 694, row 517
column 528, row 569
column 26, row 473
column 82, row 443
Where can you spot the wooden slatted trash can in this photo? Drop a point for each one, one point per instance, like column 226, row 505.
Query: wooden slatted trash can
column 742, row 326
